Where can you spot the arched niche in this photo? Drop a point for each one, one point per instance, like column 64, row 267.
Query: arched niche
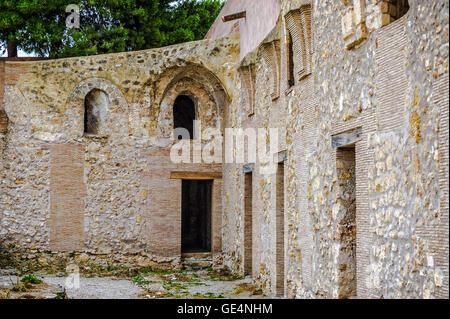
column 101, row 103
column 95, row 107
column 202, row 87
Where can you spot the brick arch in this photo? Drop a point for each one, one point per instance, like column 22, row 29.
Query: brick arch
column 202, row 86
column 116, row 121
column 196, row 72
column 206, row 109
column 298, row 24
column 270, row 54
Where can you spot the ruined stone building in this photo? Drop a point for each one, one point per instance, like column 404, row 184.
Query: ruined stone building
column 358, row 204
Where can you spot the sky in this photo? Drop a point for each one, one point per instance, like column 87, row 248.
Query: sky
column 20, row 53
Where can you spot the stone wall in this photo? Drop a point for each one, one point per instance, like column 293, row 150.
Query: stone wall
column 110, row 192
column 384, row 79
column 362, row 139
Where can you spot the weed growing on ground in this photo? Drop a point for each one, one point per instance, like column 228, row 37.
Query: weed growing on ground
column 5, row 294
column 207, row 295
column 31, row 279
column 223, row 275
column 140, row 279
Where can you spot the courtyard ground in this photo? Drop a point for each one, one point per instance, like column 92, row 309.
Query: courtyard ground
column 150, row 284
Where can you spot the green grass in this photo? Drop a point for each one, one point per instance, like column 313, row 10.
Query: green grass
column 6, row 295
column 18, row 286
column 238, row 290
column 223, row 275
column 158, row 272
column 178, row 286
column 176, row 290
column 110, row 267
column 61, row 295
column 140, row 280
column 196, row 283
column 208, row 295
column 32, row 279
column 258, row 292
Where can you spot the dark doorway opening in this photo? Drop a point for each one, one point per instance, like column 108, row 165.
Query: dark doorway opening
column 184, row 115
column 248, row 233
column 346, row 171
column 280, row 231
column 290, row 60
column 196, row 216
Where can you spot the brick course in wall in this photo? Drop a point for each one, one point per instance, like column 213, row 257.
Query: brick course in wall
column 271, row 55
column 367, row 85
column 390, row 54
column 164, row 203
column 67, row 197
column 299, row 25
column 441, row 244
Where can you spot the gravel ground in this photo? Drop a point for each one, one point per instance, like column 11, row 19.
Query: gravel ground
column 90, row 288
column 197, row 284
column 151, row 285
column 99, row 288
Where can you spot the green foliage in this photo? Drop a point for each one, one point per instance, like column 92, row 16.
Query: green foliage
column 5, row 295
column 18, row 286
column 190, row 21
column 107, row 26
column 140, row 280
column 208, row 295
column 35, row 26
column 32, row 279
column 160, row 272
column 61, row 295
column 223, row 275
